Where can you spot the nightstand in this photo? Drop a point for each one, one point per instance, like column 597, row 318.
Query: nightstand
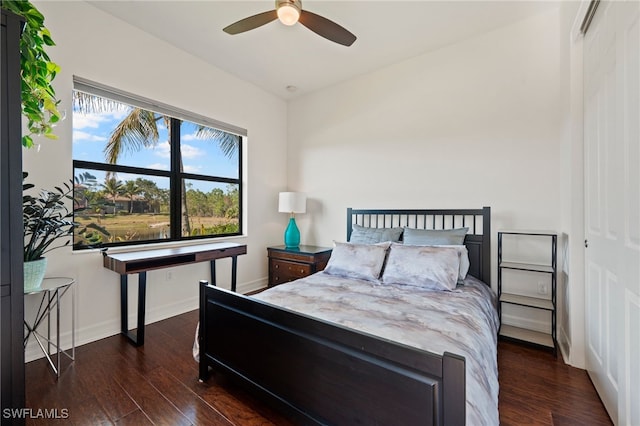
column 288, row 263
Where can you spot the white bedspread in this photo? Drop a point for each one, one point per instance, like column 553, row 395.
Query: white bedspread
column 463, row 321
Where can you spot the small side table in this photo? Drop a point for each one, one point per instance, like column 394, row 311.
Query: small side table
column 290, row 263
column 52, row 289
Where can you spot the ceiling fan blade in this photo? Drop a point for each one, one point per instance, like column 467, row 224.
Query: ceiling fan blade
column 251, row 22
column 326, row 28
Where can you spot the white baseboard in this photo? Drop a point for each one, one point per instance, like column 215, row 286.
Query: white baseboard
column 251, row 286
column 111, row 327
column 564, row 343
column 97, row 331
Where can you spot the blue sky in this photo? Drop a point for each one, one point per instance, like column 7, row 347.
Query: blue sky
column 92, row 131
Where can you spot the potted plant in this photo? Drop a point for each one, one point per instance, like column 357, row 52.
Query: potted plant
column 48, row 225
column 37, row 71
column 46, row 220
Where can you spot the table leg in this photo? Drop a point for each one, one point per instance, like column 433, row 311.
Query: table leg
column 124, row 306
column 234, row 270
column 137, row 338
column 142, row 291
column 73, row 322
column 49, row 323
column 58, row 330
column 36, row 322
column 213, row 272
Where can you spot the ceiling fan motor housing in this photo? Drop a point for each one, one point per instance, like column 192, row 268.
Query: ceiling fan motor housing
column 288, row 11
column 296, row 4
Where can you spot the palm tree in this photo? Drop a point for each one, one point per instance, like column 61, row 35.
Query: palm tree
column 112, row 187
column 131, row 189
column 139, row 129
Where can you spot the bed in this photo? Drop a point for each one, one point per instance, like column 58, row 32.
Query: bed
column 324, row 369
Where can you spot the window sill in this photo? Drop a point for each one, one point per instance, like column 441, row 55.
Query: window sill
column 172, row 244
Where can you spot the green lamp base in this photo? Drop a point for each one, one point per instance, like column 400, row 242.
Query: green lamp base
column 292, row 234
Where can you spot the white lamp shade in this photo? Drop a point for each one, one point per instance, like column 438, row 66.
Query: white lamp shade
column 292, row 202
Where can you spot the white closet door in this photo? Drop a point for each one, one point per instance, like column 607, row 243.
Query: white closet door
column 612, row 207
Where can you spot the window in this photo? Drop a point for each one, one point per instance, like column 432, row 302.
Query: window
column 145, row 176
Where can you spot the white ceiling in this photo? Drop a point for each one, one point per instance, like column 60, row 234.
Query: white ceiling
column 275, row 56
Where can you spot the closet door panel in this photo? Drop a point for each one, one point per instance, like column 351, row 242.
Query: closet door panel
column 612, row 207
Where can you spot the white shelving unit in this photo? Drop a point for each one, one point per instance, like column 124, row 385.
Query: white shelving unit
column 506, row 294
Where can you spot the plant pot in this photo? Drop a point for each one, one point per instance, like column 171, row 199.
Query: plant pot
column 34, row 273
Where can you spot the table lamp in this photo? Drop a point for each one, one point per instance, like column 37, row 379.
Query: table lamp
column 292, row 202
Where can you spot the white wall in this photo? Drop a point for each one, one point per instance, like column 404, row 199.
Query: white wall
column 478, row 123
column 481, row 122
column 98, row 47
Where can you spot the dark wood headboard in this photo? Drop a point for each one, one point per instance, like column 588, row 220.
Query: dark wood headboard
column 478, row 239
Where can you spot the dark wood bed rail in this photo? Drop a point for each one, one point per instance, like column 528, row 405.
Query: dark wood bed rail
column 478, row 239
column 323, row 373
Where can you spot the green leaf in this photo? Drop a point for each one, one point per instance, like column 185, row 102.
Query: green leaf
column 53, row 67
column 27, row 141
column 37, row 72
column 48, row 40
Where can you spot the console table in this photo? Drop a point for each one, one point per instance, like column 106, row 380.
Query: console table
column 145, row 260
column 52, row 289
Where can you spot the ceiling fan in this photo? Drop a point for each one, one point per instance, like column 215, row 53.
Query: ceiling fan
column 289, row 12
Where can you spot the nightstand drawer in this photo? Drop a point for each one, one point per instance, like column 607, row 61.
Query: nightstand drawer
column 283, row 271
column 288, row 264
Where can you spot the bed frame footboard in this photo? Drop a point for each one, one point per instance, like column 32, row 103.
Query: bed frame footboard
column 327, row 374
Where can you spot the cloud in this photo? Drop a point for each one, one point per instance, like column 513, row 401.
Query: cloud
column 82, row 121
column 94, row 120
column 162, row 149
column 84, row 136
column 118, row 114
column 189, row 151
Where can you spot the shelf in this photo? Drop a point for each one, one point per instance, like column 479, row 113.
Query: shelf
column 536, row 337
column 525, row 232
column 532, row 302
column 521, row 303
column 527, row 267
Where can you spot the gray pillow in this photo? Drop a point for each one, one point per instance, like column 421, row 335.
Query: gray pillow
column 361, row 261
column 364, row 235
column 429, row 267
column 432, row 237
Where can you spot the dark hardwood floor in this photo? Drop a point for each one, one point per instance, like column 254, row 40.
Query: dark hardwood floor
column 538, row 389
column 113, row 382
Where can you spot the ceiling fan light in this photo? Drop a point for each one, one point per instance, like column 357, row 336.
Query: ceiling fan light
column 288, row 14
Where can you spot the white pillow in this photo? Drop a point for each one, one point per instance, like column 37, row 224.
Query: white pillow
column 360, row 261
column 463, row 253
column 430, row 267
